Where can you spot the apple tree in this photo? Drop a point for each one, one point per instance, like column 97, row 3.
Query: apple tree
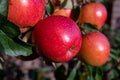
column 71, row 36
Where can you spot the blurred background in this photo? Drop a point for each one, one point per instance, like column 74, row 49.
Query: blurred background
column 12, row 68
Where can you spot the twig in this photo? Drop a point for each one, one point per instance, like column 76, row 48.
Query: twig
column 54, row 65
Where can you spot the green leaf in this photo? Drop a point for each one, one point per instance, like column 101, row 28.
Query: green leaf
column 114, row 57
column 86, row 28
column 60, row 73
column 1, row 66
column 50, row 7
column 114, row 74
column 2, row 20
column 90, row 72
column 14, row 48
column 1, row 48
column 72, row 74
column 3, row 11
column 64, row 3
column 98, row 77
column 4, row 7
column 10, row 29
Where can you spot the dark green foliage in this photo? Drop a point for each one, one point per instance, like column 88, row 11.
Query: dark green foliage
column 4, row 7
column 10, row 42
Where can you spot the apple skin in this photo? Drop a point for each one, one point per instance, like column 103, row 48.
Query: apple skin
column 93, row 13
column 63, row 12
column 25, row 29
column 95, row 49
column 26, row 13
column 58, row 37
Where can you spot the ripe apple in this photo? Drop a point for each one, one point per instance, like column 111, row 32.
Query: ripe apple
column 58, row 37
column 95, row 49
column 93, row 13
column 26, row 13
column 63, row 12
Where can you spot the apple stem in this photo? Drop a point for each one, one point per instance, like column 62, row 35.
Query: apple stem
column 72, row 4
column 27, row 36
column 54, row 65
column 77, row 65
column 1, row 59
column 71, row 48
column 1, row 66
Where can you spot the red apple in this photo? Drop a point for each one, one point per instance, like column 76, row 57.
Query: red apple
column 25, row 12
column 58, row 37
column 95, row 49
column 63, row 12
column 93, row 13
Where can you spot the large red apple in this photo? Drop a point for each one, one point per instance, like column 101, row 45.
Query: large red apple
column 58, row 37
column 25, row 13
column 93, row 13
column 95, row 49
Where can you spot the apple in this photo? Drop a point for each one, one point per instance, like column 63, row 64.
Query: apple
column 63, row 12
column 26, row 13
column 58, row 37
column 25, row 29
column 95, row 49
column 93, row 13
